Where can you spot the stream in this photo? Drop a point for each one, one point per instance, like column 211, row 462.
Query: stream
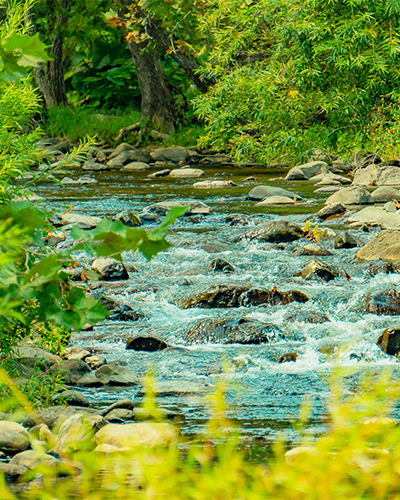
column 264, row 396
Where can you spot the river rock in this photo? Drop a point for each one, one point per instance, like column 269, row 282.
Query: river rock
column 75, row 352
column 288, row 357
column 346, row 240
column 328, row 189
column 160, row 173
column 383, row 267
column 126, row 404
column 376, row 216
column 387, row 302
column 174, row 154
column 311, row 249
column 12, row 472
column 32, row 459
column 221, row 265
column 307, row 170
column 128, row 218
column 94, row 166
column 377, row 175
column 37, row 357
column 148, row 344
column 83, row 221
column 172, row 388
column 71, row 370
column 275, row 200
column 383, row 194
column 260, row 192
column 374, row 249
column 136, row 166
column 329, row 210
column 195, row 207
column 183, row 173
column 54, row 416
column 110, row 269
column 124, row 146
column 130, row 156
column 307, row 317
column 73, row 398
column 120, row 415
column 330, row 179
column 76, row 433
column 213, row 184
column 113, row 374
column 353, row 195
column 278, row 231
column 316, row 269
column 82, row 181
column 138, row 435
column 13, row 437
column 389, row 341
column 232, row 331
column 118, row 311
column 341, row 167
column 95, row 362
column 235, row 296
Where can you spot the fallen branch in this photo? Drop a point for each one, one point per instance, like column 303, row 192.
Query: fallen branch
column 155, row 134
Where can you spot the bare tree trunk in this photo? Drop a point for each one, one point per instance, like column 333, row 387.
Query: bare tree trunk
column 158, row 105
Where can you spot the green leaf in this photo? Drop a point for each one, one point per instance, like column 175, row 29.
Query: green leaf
column 32, row 50
column 169, row 219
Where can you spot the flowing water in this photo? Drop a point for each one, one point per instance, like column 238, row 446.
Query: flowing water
column 264, row 396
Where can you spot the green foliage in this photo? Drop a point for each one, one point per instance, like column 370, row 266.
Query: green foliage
column 74, row 123
column 306, row 74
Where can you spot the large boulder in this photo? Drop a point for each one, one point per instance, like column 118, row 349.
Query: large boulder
column 148, row 344
column 232, row 331
column 377, row 175
column 383, row 194
column 37, row 357
column 130, row 156
column 130, row 436
column 386, row 302
column 13, row 437
column 174, row 154
column 235, row 296
column 136, row 166
column 71, row 370
column 110, row 269
column 124, row 146
column 376, row 216
column 195, row 207
column 316, row 269
column 307, row 170
column 353, row 195
column 278, row 231
column 76, row 433
column 185, row 173
column 114, row 374
column 73, row 398
column 260, row 192
column 330, row 179
column 337, row 209
column 377, row 247
column 31, row 459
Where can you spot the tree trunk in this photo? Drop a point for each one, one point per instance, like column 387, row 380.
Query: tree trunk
column 158, row 105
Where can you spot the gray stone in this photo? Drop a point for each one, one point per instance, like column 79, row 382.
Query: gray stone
column 37, row 357
column 195, row 207
column 126, row 157
column 73, row 398
column 93, row 166
column 383, row 194
column 212, row 184
column 316, row 269
column 346, row 240
column 137, row 166
column 275, row 200
column 120, row 415
column 307, row 170
column 75, row 352
column 128, row 218
column 32, row 459
column 330, row 179
column 353, row 195
column 12, row 472
column 76, row 433
column 110, row 269
column 83, row 221
column 13, row 437
column 183, row 173
column 71, row 370
column 221, row 265
column 276, row 232
column 160, row 173
column 124, row 146
column 113, row 374
column 174, row 154
column 126, row 404
column 375, row 216
column 261, row 192
column 329, row 210
column 380, row 244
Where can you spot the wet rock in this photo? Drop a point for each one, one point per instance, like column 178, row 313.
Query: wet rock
column 93, row 166
column 73, row 398
column 307, row 170
column 377, row 175
column 130, row 156
column 160, row 173
column 376, row 216
column 12, row 472
column 124, row 146
column 54, row 416
column 389, row 341
column 55, row 237
column 211, row 184
column 330, row 210
column 221, row 265
column 75, row 352
column 341, row 167
column 383, row 194
column 83, row 221
column 316, row 269
column 307, row 317
column 346, row 240
column 289, row 356
column 279, row 231
column 126, row 404
column 31, row 459
column 37, row 357
column 261, row 192
column 184, row 173
column 237, row 220
column 130, row 436
column 82, row 181
column 383, row 267
column 178, row 388
column 312, row 249
column 353, row 195
column 128, row 218
column 120, row 415
column 148, row 344
column 76, row 433
column 381, row 243
column 136, row 166
column 387, row 303
column 235, row 296
column 174, row 154
column 13, row 437
column 110, row 269
column 119, row 312
column 95, row 362
column 328, row 189
column 330, row 179
column 215, row 247
column 275, row 200
column 195, row 207
column 113, row 374
column 71, row 370
column 232, row 331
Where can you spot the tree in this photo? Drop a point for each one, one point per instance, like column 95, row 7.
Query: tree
column 324, row 77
